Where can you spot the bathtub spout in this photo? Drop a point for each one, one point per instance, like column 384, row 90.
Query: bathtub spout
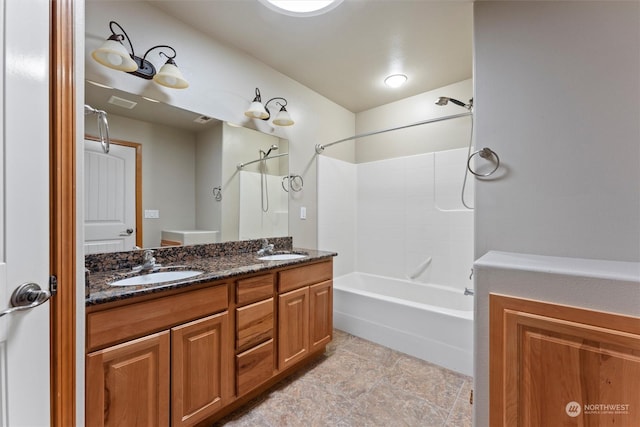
column 468, row 291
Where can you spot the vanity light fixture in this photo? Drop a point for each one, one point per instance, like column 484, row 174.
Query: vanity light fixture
column 113, row 54
column 258, row 111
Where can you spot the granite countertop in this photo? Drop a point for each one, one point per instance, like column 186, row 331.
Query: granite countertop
column 214, row 267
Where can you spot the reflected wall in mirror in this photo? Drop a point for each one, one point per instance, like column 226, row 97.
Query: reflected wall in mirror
column 187, row 159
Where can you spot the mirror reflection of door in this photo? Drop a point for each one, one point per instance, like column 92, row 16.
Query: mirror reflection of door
column 110, row 198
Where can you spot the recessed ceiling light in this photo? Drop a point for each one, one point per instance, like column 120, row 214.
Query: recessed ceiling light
column 301, row 7
column 395, row 80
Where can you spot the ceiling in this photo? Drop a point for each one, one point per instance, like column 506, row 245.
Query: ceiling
column 346, row 53
column 113, row 100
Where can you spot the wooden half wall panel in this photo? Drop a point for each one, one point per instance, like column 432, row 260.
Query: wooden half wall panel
column 554, row 365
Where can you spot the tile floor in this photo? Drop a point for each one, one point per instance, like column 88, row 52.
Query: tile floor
column 360, row 383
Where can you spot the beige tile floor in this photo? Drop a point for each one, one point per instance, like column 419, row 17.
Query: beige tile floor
column 360, row 383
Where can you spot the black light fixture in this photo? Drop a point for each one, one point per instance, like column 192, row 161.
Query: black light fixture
column 258, row 111
column 113, row 54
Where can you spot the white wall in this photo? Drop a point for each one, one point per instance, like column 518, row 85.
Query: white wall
column 557, row 88
column 222, row 85
column 208, row 176
column 558, row 98
column 415, row 140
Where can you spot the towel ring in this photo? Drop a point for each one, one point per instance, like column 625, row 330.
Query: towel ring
column 217, row 193
column 485, row 153
column 295, row 182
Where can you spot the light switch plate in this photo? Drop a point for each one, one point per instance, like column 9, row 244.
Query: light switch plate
column 151, row 213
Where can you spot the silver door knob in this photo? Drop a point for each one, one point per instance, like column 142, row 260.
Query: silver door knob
column 127, row 232
column 25, row 297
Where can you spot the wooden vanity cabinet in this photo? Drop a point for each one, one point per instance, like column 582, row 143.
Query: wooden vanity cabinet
column 159, row 362
column 305, row 309
column 190, row 357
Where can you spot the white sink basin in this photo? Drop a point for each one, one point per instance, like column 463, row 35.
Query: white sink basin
column 281, row 257
column 161, row 277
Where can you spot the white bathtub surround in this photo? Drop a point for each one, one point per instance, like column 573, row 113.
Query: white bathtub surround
column 406, row 211
column 401, row 283
column 253, row 221
column 337, row 207
column 610, row 286
column 431, row 322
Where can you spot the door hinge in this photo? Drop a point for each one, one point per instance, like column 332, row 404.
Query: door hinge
column 53, row 285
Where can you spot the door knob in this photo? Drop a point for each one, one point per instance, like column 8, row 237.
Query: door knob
column 25, row 297
column 127, row 232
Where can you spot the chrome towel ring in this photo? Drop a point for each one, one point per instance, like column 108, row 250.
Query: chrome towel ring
column 294, row 182
column 217, row 193
column 485, row 153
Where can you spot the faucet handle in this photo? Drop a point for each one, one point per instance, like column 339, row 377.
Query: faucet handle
column 148, row 254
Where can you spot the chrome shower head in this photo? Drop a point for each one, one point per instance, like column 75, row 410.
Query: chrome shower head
column 272, row 148
column 443, row 100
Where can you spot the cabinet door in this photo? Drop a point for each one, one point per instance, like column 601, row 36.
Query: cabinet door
column 556, row 365
column 200, row 368
column 320, row 315
column 128, row 384
column 293, row 327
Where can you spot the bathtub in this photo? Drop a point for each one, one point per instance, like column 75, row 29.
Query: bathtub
column 431, row 322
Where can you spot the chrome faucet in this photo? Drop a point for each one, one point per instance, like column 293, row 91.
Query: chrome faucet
column 148, row 262
column 267, row 248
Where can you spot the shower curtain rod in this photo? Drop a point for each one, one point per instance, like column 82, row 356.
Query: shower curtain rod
column 241, row 165
column 320, row 147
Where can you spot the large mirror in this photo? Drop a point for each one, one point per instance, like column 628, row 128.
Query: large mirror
column 172, row 177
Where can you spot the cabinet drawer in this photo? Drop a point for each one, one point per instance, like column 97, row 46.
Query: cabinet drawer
column 306, row 275
column 254, row 367
column 118, row 324
column 254, row 324
column 254, row 289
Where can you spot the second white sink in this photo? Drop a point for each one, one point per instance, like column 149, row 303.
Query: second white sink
column 161, row 277
column 281, row 257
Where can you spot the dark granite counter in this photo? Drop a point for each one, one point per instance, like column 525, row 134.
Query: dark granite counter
column 216, row 261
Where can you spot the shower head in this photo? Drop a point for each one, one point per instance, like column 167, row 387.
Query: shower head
column 443, row 100
column 272, row 148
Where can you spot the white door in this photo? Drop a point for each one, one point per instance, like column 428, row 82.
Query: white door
column 24, row 209
column 110, row 198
